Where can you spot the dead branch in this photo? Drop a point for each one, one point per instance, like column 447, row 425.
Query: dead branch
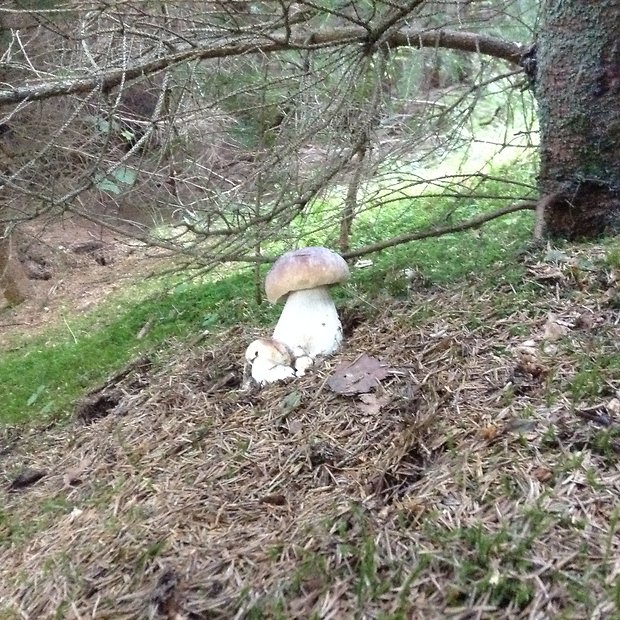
column 541, row 207
column 417, row 235
column 464, row 41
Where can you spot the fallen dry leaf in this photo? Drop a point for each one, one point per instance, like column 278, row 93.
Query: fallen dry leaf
column 359, row 376
column 553, row 330
column 371, row 404
column 489, row 432
column 528, row 359
column 542, row 474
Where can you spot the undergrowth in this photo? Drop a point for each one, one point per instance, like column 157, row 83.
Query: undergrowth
column 486, row 482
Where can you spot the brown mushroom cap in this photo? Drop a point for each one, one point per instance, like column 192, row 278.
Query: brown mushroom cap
column 303, row 269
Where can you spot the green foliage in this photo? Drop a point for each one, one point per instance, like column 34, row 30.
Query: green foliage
column 493, row 556
column 594, row 375
column 613, row 257
column 42, row 376
column 398, row 208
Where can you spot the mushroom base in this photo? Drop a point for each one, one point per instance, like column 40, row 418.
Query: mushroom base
column 310, row 322
column 270, row 360
column 265, row 371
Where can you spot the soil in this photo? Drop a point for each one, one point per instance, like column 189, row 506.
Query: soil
column 73, row 266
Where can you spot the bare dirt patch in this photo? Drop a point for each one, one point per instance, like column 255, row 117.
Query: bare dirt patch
column 73, row 266
column 473, row 481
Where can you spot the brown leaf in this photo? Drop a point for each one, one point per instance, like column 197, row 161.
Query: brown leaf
column 528, row 361
column 372, row 404
column 542, row 474
column 490, row 432
column 359, row 376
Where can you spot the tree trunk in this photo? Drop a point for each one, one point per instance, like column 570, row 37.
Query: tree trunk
column 578, row 92
column 14, row 284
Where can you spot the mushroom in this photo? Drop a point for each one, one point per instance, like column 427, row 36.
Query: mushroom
column 271, row 360
column 302, row 363
column 309, row 325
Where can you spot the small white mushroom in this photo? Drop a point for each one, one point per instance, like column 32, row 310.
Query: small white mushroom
column 271, row 361
column 309, row 321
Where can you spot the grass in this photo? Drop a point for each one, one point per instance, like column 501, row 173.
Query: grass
column 464, row 526
column 478, row 490
column 42, row 376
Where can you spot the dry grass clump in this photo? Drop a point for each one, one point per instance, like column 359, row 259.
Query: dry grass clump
column 479, row 480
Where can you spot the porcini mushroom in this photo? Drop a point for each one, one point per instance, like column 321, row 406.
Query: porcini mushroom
column 309, row 323
column 271, row 361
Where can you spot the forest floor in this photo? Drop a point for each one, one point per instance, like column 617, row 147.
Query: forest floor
column 473, row 473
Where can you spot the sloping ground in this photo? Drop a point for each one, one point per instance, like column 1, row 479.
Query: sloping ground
column 480, row 480
column 79, row 267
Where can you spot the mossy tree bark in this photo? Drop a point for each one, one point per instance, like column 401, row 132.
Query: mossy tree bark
column 578, row 92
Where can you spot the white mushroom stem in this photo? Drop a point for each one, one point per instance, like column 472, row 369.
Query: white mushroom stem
column 310, row 322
